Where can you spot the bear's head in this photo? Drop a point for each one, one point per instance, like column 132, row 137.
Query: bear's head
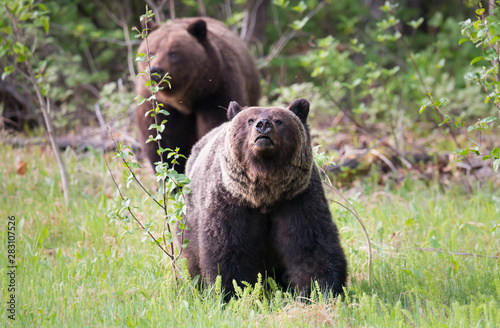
column 268, row 152
column 182, row 49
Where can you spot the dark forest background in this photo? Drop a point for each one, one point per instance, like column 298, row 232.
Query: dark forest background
column 367, row 67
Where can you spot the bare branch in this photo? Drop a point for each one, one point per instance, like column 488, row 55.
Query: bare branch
column 132, row 214
column 158, row 10
column 282, row 42
column 45, row 107
column 122, row 22
column 201, row 8
column 133, row 173
column 355, row 213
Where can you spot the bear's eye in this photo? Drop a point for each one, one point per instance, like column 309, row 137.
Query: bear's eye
column 278, row 122
column 250, row 121
column 173, row 55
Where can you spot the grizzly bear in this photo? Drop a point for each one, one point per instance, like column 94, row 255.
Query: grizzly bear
column 257, row 203
column 209, row 66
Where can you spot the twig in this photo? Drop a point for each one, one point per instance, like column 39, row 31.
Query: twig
column 45, row 107
column 249, row 21
column 422, row 83
column 171, row 7
column 201, row 8
column 155, row 105
column 130, row 56
column 97, row 110
column 159, row 17
column 132, row 214
column 278, row 46
column 455, row 253
column 227, row 7
column 353, row 211
column 439, row 250
column 363, row 129
column 133, row 173
column 122, row 22
column 384, row 159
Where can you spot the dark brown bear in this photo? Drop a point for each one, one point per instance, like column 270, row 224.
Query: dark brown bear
column 209, row 65
column 257, row 203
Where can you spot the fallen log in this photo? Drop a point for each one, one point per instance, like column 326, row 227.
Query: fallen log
column 77, row 142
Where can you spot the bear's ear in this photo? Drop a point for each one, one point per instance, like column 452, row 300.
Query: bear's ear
column 233, row 110
column 300, row 107
column 198, row 29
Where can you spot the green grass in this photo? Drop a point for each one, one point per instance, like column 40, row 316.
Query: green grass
column 76, row 269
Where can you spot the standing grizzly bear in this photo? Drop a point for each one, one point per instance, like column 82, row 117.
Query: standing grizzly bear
column 209, row 65
column 257, row 203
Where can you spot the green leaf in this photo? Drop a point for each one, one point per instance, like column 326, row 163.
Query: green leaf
column 299, row 24
column 479, row 11
column 494, row 39
column 488, row 119
column 126, row 203
column 422, row 109
column 356, row 82
column 457, row 124
column 300, row 8
column 417, row 23
column 134, row 165
column 462, row 41
column 141, row 57
column 482, row 32
column 45, row 24
column 446, row 119
column 496, row 164
column 7, row 71
column 140, row 100
column 475, row 60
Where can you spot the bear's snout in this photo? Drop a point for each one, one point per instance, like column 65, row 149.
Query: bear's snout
column 264, row 126
column 159, row 74
column 265, row 137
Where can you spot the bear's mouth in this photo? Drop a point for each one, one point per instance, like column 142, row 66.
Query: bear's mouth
column 263, row 137
column 263, row 142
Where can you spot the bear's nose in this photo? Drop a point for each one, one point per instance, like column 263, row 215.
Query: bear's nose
column 159, row 74
column 264, row 126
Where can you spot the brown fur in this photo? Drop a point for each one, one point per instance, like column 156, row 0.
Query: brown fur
column 257, row 203
column 209, row 65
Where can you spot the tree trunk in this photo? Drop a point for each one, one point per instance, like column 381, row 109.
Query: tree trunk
column 255, row 21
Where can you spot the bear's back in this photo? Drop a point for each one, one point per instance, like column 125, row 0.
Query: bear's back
column 204, row 152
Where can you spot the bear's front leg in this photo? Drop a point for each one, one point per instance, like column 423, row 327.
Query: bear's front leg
column 231, row 238
column 308, row 241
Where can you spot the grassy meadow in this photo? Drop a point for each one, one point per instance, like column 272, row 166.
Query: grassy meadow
column 75, row 268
